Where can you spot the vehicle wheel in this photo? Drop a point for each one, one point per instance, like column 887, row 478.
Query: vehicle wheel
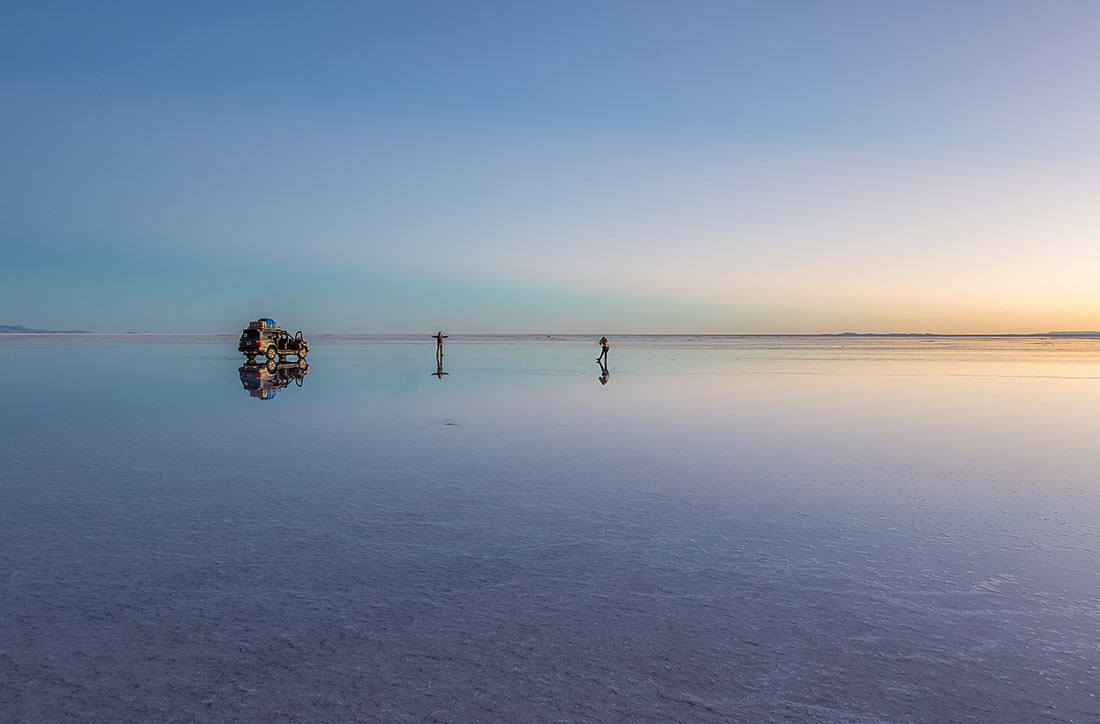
column 302, row 364
column 272, row 365
column 303, row 352
column 271, row 353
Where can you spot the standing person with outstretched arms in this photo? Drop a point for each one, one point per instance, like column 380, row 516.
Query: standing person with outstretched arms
column 439, row 344
column 602, row 359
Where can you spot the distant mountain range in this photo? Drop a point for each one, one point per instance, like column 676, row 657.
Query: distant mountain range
column 20, row 329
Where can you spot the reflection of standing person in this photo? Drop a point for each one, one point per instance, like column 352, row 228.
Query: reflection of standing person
column 604, row 374
column 439, row 344
column 602, row 359
column 439, row 368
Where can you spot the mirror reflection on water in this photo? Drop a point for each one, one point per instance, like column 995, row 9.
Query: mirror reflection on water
column 264, row 380
column 734, row 529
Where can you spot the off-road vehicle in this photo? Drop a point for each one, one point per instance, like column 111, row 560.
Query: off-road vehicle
column 264, row 337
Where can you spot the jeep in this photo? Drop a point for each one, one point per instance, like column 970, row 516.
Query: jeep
column 263, row 337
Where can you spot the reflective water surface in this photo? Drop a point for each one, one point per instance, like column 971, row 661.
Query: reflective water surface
column 709, row 529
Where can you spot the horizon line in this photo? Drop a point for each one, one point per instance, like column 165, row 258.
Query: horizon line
column 1053, row 334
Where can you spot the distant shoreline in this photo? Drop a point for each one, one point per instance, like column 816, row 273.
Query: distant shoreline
column 10, row 331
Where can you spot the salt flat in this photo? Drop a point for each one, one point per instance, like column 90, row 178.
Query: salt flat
column 726, row 529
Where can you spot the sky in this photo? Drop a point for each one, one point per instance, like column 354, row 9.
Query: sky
column 590, row 167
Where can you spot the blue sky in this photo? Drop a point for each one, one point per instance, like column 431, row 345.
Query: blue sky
column 523, row 167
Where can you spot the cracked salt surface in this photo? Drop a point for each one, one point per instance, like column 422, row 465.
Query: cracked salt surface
column 774, row 530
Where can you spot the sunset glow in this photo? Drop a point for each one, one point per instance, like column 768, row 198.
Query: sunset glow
column 773, row 168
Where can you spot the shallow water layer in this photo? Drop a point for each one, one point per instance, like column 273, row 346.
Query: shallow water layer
column 719, row 529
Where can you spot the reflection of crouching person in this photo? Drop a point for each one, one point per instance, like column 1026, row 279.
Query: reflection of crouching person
column 603, row 354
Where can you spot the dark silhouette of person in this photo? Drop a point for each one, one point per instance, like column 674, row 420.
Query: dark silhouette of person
column 439, row 344
column 439, row 368
column 602, row 359
column 604, row 374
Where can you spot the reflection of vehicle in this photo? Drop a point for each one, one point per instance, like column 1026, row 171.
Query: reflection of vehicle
column 265, row 380
column 264, row 337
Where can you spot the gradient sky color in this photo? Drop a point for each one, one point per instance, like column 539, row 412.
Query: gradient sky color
column 551, row 167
